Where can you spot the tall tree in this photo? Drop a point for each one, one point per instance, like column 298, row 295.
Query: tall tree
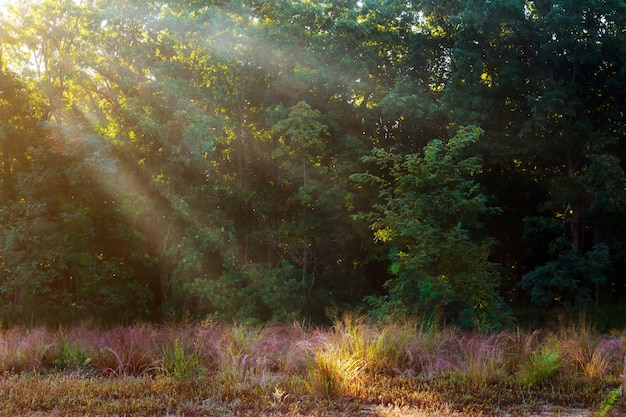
column 431, row 219
column 544, row 81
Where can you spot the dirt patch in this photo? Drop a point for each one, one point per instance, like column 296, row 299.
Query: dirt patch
column 562, row 411
column 395, row 411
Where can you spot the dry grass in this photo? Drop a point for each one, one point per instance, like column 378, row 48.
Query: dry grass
column 353, row 368
column 592, row 354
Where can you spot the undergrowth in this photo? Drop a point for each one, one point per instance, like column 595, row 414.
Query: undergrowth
column 284, row 369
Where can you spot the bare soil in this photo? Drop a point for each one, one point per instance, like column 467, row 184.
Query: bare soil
column 547, row 411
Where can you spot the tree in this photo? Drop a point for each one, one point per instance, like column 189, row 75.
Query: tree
column 430, row 219
column 300, row 169
column 62, row 253
column 544, row 79
column 570, row 280
column 195, row 156
column 70, row 246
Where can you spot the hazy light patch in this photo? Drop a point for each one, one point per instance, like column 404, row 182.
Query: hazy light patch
column 95, row 140
column 21, row 6
column 123, row 185
column 6, row 4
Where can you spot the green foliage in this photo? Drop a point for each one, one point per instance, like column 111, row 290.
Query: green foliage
column 195, row 158
column 541, row 366
column 607, row 402
column 72, row 357
column 569, row 280
column 431, row 218
column 180, row 361
column 536, row 77
column 259, row 292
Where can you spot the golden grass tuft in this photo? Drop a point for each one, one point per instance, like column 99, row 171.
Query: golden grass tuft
column 592, row 354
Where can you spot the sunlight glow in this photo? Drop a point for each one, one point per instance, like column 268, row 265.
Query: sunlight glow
column 6, row 5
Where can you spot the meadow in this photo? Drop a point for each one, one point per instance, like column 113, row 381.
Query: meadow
column 352, row 368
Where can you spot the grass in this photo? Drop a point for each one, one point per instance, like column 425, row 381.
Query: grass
column 352, row 368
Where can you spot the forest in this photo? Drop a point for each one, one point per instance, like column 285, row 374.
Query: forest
column 461, row 161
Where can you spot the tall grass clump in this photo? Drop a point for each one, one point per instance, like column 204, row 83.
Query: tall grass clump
column 26, row 350
column 283, row 353
column 245, row 366
column 541, row 365
column 395, row 348
column 341, row 359
column 517, row 347
column 410, row 347
column 204, row 340
column 76, row 348
column 482, row 360
column 354, row 337
column 334, row 375
column 355, row 352
column 129, row 351
column 190, row 351
column 275, row 349
column 589, row 353
column 180, row 361
column 622, row 377
column 234, row 355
